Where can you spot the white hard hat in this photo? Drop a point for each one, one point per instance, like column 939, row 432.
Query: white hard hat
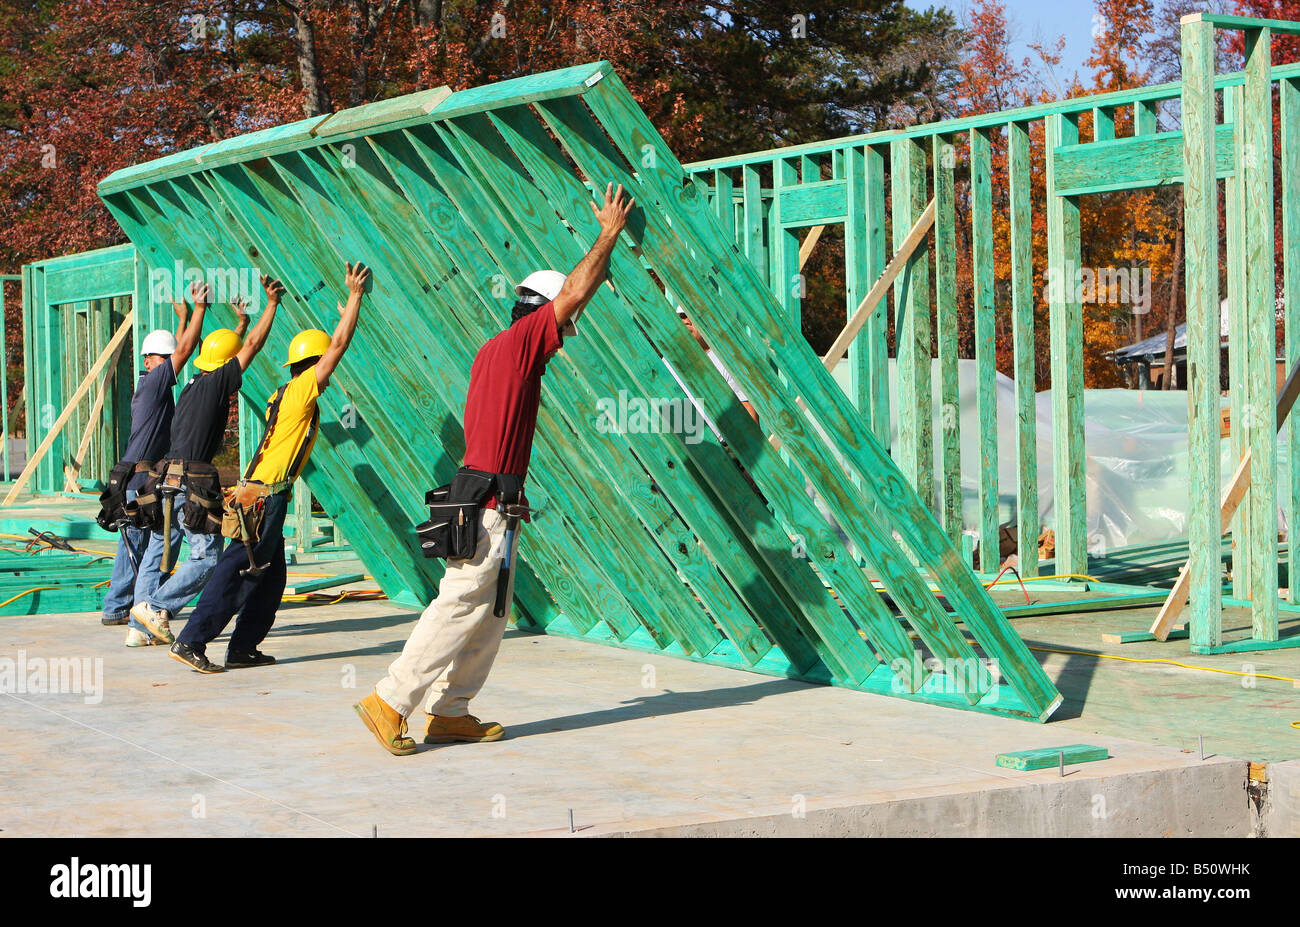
column 159, row 341
column 545, row 282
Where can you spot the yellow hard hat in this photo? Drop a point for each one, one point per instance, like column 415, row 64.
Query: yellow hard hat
column 218, row 347
column 310, row 343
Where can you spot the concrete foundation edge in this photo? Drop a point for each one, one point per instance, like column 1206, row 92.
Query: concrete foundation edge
column 1208, row 800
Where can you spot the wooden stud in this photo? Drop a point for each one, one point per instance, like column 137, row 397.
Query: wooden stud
column 93, row 422
column 876, row 347
column 1200, row 208
column 1066, row 327
column 906, row 255
column 1022, row 329
column 944, row 158
column 912, row 324
column 986, row 360
column 1256, row 133
column 1289, row 103
column 1238, row 335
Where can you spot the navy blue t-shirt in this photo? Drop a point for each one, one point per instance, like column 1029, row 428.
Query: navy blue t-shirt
column 152, row 408
column 199, row 427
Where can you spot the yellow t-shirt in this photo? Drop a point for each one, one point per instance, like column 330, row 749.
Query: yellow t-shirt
column 280, row 446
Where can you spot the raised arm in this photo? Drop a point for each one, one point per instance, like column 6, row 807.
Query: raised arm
column 355, row 278
column 188, row 335
column 257, row 337
column 580, row 285
column 182, row 311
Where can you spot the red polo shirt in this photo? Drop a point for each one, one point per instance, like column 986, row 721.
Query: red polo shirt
column 505, row 388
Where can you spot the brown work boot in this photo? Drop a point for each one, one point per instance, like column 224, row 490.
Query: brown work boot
column 388, row 726
column 464, row 729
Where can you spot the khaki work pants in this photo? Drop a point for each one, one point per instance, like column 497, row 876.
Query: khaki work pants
column 450, row 651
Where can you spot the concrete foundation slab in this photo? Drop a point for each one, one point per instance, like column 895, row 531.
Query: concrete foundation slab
column 626, row 742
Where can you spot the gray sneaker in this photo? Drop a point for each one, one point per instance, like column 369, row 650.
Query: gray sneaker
column 137, row 638
column 154, row 621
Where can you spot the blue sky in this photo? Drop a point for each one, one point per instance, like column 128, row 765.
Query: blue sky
column 1040, row 21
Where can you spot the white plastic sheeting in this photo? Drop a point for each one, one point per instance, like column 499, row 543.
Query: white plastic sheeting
column 1136, row 469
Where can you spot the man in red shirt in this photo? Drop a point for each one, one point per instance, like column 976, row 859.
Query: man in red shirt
column 448, row 656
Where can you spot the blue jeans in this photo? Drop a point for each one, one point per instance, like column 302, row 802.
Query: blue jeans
column 190, row 574
column 255, row 598
column 121, row 586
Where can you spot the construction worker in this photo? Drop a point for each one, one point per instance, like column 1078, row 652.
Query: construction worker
column 185, row 481
column 152, row 406
column 718, row 364
column 450, row 651
column 250, row 577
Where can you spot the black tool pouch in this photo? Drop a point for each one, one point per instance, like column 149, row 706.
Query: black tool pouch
column 112, row 501
column 145, row 511
column 203, row 502
column 451, row 533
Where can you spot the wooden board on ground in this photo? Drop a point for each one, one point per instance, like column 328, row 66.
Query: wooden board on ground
column 1046, row 757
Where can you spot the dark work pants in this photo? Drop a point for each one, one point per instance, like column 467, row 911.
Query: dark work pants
column 255, row 598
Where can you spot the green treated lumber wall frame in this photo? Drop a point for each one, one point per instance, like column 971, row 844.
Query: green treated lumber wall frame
column 71, row 306
column 649, row 540
column 1075, row 167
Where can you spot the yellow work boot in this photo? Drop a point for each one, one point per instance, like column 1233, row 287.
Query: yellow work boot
column 464, row 729
column 388, row 726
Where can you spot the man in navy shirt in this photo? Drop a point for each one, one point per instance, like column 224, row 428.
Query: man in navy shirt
column 152, row 408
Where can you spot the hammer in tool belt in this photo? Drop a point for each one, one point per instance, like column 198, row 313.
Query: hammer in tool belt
column 168, row 489
column 252, row 569
column 513, row 512
column 131, row 553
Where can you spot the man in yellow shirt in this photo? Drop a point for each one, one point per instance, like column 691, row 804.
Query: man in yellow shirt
column 292, row 419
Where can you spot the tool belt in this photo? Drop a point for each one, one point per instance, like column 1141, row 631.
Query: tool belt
column 248, row 498
column 455, row 510
column 114, row 509
column 201, row 512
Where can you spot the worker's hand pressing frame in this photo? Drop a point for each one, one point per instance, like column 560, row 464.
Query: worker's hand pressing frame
column 581, row 284
column 355, row 277
column 612, row 216
column 274, row 289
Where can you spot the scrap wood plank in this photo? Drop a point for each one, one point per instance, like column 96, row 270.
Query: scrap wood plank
column 1228, row 505
column 324, row 582
column 1046, row 757
column 87, row 382
column 809, row 242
